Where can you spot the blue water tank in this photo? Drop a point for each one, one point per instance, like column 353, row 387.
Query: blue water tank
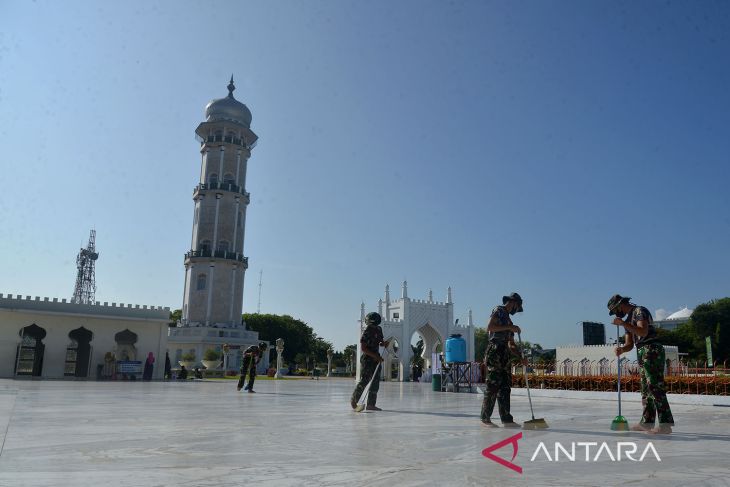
column 455, row 349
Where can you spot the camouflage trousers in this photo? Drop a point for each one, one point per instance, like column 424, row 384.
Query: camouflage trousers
column 248, row 366
column 498, row 382
column 367, row 369
column 653, row 395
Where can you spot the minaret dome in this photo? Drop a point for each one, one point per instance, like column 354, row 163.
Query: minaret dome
column 228, row 109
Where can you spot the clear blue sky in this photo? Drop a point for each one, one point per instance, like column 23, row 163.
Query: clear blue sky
column 565, row 150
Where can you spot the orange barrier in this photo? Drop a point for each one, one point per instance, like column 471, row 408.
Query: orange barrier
column 679, row 378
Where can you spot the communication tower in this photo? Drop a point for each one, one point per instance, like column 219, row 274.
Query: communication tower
column 85, row 290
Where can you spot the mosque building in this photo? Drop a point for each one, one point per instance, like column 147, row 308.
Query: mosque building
column 52, row 338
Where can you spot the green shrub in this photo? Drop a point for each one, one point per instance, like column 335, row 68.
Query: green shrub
column 211, row 355
column 187, row 357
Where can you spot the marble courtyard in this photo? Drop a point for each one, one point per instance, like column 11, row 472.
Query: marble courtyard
column 302, row 432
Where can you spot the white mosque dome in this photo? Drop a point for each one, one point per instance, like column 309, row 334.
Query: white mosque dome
column 681, row 314
column 228, row 108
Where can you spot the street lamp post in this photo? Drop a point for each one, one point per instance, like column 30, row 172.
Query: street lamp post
column 279, row 352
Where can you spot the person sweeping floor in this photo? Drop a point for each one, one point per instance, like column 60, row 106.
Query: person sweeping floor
column 251, row 357
column 370, row 341
column 498, row 358
column 641, row 331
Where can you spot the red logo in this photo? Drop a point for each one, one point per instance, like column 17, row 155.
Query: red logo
column 487, row 452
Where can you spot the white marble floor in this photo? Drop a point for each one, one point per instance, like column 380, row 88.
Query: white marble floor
column 301, row 433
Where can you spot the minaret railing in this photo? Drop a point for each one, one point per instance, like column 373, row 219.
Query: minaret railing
column 223, row 187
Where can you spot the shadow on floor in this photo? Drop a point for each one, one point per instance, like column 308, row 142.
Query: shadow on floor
column 430, row 413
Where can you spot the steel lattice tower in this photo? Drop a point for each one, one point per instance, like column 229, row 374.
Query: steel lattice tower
column 85, row 290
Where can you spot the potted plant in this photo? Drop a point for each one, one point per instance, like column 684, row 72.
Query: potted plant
column 188, row 360
column 211, row 359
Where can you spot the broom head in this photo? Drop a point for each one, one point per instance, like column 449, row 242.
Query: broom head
column 619, row 423
column 535, row 424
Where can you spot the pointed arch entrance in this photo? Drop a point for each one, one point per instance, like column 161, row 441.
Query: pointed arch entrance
column 431, row 340
column 432, row 320
column 29, row 356
column 78, row 353
column 125, row 349
column 391, row 364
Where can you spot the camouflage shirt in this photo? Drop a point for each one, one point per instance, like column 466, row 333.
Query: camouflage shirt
column 254, row 352
column 501, row 316
column 371, row 338
column 640, row 313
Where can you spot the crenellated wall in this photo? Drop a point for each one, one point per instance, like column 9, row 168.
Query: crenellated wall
column 55, row 306
column 59, row 318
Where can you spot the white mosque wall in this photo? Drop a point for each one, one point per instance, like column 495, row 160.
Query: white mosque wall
column 59, row 318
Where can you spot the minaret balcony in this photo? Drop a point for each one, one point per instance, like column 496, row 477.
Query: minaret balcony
column 217, row 254
column 233, row 188
column 212, row 139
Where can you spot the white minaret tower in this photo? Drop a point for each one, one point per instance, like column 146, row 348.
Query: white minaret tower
column 387, row 303
column 215, row 265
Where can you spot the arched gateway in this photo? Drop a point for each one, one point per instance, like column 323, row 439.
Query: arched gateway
column 433, row 321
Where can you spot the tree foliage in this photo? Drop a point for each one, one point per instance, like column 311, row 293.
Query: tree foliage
column 711, row 319
column 175, row 316
column 481, row 340
column 417, row 358
column 300, row 340
column 349, row 355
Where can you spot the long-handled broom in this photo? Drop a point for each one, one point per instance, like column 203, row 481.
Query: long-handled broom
column 619, row 423
column 363, row 397
column 533, row 424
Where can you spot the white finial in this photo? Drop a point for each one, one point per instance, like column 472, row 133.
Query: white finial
column 448, row 296
column 430, row 295
column 380, row 307
column 387, row 294
column 404, row 291
column 471, row 320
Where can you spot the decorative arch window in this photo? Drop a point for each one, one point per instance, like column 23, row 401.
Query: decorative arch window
column 223, row 245
column 213, row 178
column 204, row 245
column 228, row 178
column 201, row 282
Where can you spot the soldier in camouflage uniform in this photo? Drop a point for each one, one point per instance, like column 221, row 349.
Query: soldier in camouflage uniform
column 641, row 331
column 251, row 357
column 371, row 339
column 500, row 351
